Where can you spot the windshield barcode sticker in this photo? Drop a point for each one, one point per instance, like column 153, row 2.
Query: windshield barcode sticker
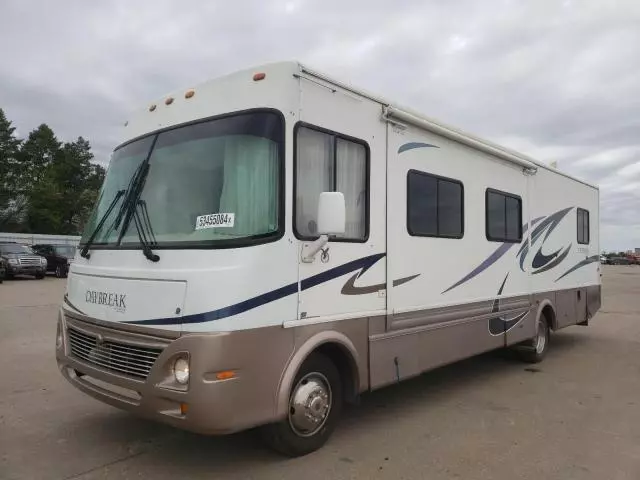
column 214, row 220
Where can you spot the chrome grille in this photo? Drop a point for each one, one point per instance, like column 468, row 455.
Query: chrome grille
column 29, row 260
column 132, row 360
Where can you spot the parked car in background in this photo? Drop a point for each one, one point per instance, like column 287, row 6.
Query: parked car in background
column 59, row 257
column 604, row 260
column 633, row 259
column 22, row 260
column 3, row 269
column 619, row 261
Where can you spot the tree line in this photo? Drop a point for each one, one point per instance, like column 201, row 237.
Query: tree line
column 46, row 186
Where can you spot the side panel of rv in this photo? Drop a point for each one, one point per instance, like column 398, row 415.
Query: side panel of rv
column 468, row 296
column 564, row 252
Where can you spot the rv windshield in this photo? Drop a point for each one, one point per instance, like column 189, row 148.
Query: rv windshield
column 212, row 183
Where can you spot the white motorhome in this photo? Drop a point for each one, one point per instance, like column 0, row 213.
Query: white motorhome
column 273, row 243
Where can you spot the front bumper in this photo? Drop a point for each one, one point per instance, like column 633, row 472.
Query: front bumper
column 25, row 269
column 208, row 405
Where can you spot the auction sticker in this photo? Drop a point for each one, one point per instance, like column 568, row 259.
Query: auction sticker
column 214, row 220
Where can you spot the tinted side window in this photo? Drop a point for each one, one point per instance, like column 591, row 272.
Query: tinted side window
column 422, row 204
column 503, row 217
column 435, row 206
column 583, row 226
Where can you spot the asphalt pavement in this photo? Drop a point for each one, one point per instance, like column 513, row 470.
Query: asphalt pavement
column 576, row 415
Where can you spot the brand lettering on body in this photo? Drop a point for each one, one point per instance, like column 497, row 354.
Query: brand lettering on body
column 117, row 301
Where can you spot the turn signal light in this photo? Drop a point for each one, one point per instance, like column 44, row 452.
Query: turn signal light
column 184, row 408
column 225, row 375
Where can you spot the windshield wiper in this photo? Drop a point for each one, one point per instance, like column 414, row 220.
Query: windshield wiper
column 130, row 210
column 85, row 249
column 146, row 237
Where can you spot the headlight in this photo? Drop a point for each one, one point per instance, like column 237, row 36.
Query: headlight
column 59, row 337
column 181, row 370
column 13, row 261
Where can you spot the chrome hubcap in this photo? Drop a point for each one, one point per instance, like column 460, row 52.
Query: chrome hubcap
column 310, row 404
column 541, row 340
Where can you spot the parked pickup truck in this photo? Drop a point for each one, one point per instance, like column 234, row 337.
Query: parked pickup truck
column 59, row 257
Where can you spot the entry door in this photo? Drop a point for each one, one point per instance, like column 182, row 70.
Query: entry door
column 340, row 146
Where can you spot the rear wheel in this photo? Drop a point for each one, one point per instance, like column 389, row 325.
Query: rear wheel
column 315, row 405
column 537, row 348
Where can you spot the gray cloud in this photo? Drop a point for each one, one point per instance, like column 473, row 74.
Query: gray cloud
column 556, row 80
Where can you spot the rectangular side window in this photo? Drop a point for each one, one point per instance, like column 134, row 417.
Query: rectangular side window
column 503, row 217
column 435, row 206
column 583, row 226
column 328, row 162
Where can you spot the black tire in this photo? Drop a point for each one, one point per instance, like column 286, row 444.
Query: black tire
column 536, row 349
column 283, row 436
column 59, row 272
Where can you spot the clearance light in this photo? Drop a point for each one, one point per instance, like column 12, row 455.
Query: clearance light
column 152, row 108
column 168, row 101
column 259, row 76
column 225, row 375
column 184, row 408
column 189, row 94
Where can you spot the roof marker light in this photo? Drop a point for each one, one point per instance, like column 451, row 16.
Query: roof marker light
column 152, row 108
column 189, row 93
column 168, row 101
column 259, row 76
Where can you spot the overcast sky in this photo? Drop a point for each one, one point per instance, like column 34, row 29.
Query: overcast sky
column 557, row 80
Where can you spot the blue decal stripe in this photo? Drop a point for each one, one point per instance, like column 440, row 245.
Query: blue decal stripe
column 362, row 263
column 491, row 259
column 586, row 261
column 412, row 145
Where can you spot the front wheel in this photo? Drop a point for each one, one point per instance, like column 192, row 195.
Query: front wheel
column 315, row 405
column 60, row 273
column 536, row 350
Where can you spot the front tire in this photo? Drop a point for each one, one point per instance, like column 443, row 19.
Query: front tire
column 537, row 348
column 59, row 272
column 315, row 405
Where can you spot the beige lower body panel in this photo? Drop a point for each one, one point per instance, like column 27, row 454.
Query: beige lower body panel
column 213, row 406
column 373, row 352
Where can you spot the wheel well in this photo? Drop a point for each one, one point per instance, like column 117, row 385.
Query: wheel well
column 346, row 367
column 550, row 315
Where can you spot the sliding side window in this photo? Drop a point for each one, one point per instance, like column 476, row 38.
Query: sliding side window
column 435, row 206
column 503, row 216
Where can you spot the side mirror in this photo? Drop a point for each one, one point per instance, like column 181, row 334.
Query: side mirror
column 332, row 219
column 331, row 213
